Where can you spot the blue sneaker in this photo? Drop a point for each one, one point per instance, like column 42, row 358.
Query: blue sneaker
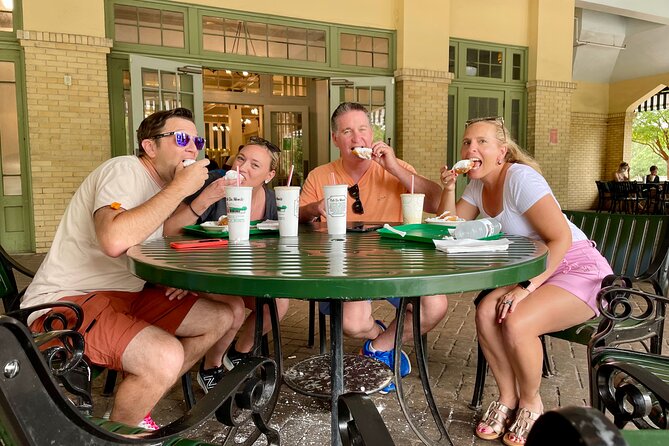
column 388, row 358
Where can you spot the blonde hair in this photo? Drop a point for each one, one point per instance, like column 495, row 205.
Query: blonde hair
column 514, row 154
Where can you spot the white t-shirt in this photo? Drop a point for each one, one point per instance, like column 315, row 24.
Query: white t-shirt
column 75, row 263
column 523, row 187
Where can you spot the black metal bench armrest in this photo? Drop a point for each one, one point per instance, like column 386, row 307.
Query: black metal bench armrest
column 360, row 422
column 34, row 411
column 628, row 314
column 15, row 265
column 574, row 426
column 643, row 399
column 23, row 313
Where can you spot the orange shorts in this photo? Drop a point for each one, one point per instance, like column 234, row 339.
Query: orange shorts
column 113, row 318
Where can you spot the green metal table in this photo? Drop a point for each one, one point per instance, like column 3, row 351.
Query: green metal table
column 355, row 266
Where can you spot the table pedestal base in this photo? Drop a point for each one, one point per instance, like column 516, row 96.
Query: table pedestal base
column 361, row 374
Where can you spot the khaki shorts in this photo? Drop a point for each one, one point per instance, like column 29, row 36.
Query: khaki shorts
column 113, row 318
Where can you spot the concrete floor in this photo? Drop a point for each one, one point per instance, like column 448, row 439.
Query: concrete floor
column 303, row 420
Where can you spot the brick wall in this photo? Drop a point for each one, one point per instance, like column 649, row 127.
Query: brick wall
column 618, row 148
column 587, row 159
column 421, row 113
column 68, row 124
column 549, row 110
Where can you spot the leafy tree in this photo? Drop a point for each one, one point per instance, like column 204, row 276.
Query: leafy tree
column 642, row 159
column 651, row 129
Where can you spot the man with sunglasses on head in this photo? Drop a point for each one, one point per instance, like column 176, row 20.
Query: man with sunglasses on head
column 151, row 333
column 375, row 186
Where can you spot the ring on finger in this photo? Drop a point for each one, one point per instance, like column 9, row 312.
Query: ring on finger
column 508, row 302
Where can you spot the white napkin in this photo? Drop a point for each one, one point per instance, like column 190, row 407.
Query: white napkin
column 268, row 225
column 471, row 245
column 396, row 231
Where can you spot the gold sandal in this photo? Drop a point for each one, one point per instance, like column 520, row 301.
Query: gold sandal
column 497, row 418
column 517, row 434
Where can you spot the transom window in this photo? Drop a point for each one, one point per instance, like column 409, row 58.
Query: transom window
column 289, row 86
column 149, row 26
column 228, row 80
column 364, row 51
column 247, row 38
column 484, row 63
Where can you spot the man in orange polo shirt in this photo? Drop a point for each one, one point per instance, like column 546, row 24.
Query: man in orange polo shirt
column 375, row 186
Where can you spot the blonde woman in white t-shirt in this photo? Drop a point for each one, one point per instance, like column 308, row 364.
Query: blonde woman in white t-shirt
column 506, row 184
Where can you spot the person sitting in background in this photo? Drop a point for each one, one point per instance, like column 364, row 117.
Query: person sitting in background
column 506, row 184
column 652, row 178
column 257, row 162
column 151, row 333
column 374, row 189
column 213, row 165
column 623, row 172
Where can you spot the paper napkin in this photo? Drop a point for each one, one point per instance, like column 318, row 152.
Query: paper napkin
column 471, row 245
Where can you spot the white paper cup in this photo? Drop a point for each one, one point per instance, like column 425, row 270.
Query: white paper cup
column 336, row 204
column 412, row 208
column 288, row 208
column 238, row 200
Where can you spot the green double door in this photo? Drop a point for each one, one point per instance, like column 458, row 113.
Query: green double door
column 16, row 226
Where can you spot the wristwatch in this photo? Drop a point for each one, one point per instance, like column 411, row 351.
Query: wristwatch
column 527, row 285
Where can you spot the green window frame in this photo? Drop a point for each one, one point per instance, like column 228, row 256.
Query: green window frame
column 487, row 62
column 16, row 19
column 308, row 45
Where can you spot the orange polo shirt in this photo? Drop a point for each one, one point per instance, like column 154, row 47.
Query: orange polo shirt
column 379, row 191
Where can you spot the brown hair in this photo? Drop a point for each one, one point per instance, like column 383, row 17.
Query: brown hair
column 153, row 124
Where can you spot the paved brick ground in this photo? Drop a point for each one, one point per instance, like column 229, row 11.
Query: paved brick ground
column 305, row 421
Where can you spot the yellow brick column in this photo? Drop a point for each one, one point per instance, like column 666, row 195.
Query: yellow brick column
column 618, row 142
column 587, row 158
column 549, row 133
column 421, row 110
column 68, row 117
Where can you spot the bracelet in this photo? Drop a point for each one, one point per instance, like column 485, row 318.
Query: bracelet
column 190, row 206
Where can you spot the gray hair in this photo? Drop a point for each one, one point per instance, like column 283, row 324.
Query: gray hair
column 346, row 107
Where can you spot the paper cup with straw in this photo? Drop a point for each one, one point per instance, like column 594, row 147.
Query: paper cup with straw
column 412, row 206
column 288, row 207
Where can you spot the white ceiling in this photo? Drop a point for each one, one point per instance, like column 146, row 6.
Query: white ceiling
column 616, row 40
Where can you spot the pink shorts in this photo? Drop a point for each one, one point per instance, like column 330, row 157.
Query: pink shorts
column 581, row 272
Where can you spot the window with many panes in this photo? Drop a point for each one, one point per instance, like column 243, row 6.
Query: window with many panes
column 229, row 80
column 249, row 38
column 149, row 26
column 485, row 61
column 6, row 15
column 364, row 51
column 289, row 85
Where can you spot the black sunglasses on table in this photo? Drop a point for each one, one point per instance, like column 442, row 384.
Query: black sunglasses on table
column 354, row 192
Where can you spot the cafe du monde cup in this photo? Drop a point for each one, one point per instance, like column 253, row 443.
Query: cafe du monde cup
column 335, row 207
column 412, row 208
column 288, row 209
column 238, row 201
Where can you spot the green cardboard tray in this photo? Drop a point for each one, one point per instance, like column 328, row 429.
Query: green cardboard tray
column 197, row 230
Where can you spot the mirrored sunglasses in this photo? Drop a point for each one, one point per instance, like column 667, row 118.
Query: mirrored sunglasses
column 183, row 138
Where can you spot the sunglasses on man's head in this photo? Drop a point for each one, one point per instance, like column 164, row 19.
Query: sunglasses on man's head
column 256, row 140
column 354, row 192
column 183, row 138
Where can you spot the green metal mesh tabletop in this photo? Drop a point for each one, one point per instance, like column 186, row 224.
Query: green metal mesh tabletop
column 315, row 265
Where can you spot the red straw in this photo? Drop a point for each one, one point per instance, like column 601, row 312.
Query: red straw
column 412, row 182
column 332, row 178
column 238, row 176
column 290, row 175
